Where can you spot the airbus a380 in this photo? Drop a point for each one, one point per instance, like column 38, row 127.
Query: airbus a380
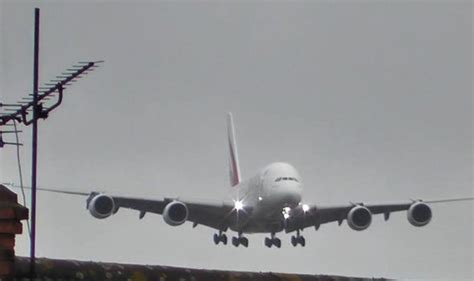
column 269, row 202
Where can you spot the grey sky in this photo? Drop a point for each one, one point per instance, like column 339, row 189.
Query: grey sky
column 369, row 101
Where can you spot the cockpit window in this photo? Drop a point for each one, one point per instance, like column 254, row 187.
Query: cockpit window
column 286, row 179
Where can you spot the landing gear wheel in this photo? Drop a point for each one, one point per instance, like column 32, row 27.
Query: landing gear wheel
column 293, row 241
column 272, row 241
column 221, row 237
column 302, row 241
column 268, row 242
column 235, row 241
column 298, row 239
column 244, row 241
column 276, row 242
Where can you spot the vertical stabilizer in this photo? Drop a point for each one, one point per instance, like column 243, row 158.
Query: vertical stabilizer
column 234, row 167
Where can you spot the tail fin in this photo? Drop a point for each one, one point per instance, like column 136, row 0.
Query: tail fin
column 234, row 168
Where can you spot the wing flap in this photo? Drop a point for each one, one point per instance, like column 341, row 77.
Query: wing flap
column 142, row 205
column 214, row 214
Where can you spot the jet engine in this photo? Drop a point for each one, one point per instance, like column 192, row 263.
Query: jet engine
column 101, row 206
column 359, row 218
column 175, row 213
column 419, row 214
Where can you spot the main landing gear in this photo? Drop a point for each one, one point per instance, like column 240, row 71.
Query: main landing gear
column 236, row 241
column 221, row 237
column 272, row 241
column 240, row 240
column 298, row 239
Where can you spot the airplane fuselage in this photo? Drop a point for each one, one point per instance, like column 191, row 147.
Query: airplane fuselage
column 264, row 198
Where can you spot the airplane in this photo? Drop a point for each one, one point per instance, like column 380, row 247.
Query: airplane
column 269, row 202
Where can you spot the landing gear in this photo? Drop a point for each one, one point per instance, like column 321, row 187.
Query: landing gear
column 298, row 239
column 221, row 237
column 272, row 241
column 240, row 240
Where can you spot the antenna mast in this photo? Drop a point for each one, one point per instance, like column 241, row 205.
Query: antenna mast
column 38, row 105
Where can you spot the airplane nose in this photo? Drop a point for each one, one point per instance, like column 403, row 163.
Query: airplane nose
column 291, row 196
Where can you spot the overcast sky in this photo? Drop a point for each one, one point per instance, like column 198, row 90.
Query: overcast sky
column 370, row 101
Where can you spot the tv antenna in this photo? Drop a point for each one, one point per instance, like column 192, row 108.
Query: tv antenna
column 35, row 106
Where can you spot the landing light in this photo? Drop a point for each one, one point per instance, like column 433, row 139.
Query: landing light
column 260, row 198
column 238, row 205
column 286, row 212
column 305, row 207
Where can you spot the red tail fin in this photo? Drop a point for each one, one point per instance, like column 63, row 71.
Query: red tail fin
column 234, row 168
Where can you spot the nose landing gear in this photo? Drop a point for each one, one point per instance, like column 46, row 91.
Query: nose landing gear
column 272, row 241
column 298, row 239
column 240, row 240
column 221, row 237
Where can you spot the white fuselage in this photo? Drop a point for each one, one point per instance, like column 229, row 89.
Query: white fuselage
column 264, row 197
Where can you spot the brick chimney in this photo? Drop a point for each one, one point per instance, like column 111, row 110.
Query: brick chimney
column 11, row 213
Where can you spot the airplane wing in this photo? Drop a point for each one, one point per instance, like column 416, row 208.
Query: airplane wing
column 212, row 213
column 175, row 211
column 358, row 215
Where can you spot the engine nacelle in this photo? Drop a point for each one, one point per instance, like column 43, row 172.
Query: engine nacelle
column 101, row 206
column 419, row 214
column 359, row 218
column 175, row 213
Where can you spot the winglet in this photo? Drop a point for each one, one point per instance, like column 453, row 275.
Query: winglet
column 234, row 167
